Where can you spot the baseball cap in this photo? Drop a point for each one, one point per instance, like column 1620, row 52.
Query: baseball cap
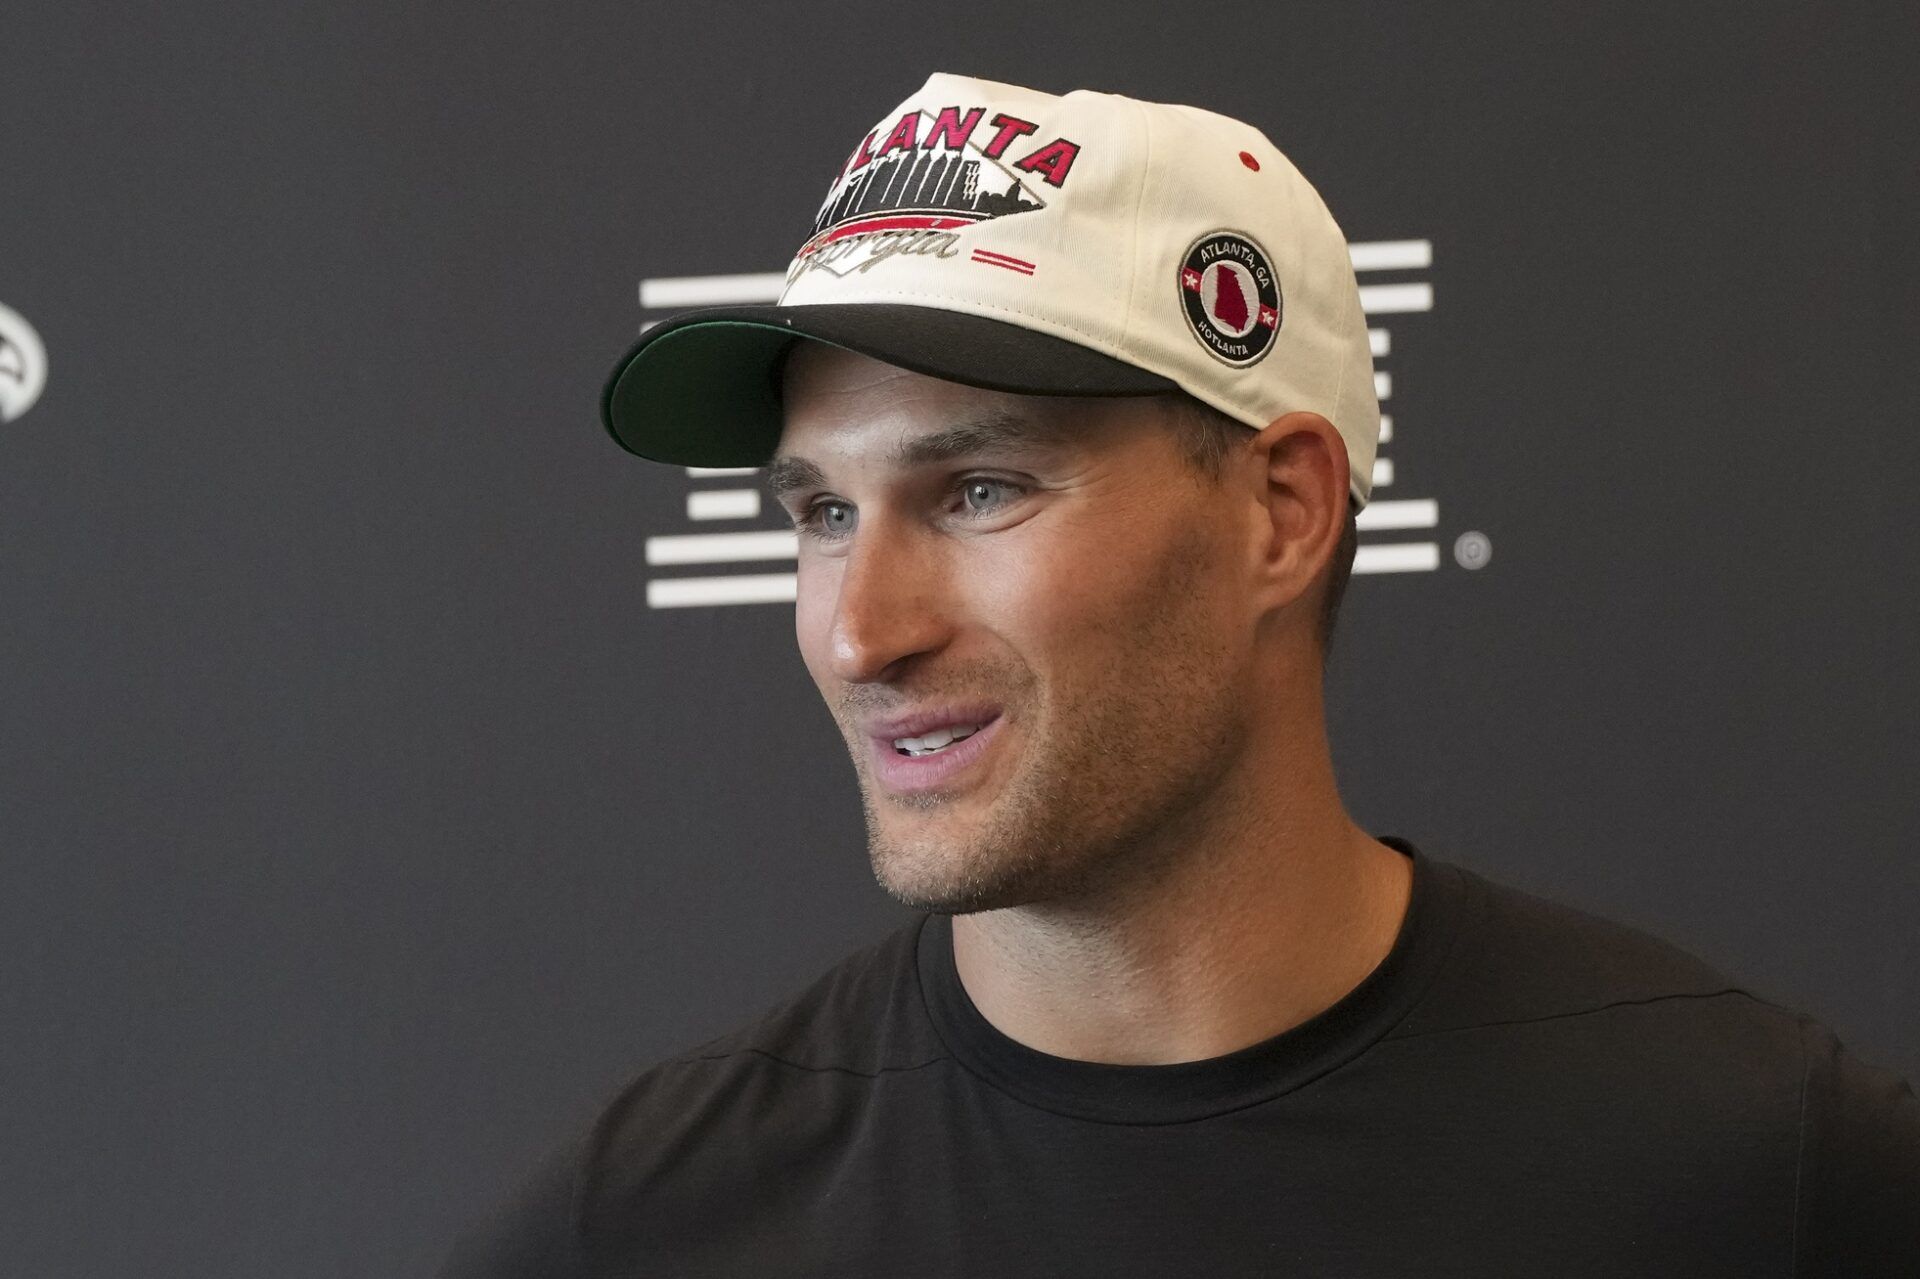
column 1082, row 244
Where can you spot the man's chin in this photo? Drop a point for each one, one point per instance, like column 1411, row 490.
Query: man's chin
column 952, row 852
column 952, row 899
column 950, row 877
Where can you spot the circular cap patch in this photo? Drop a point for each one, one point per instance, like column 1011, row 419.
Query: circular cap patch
column 1231, row 296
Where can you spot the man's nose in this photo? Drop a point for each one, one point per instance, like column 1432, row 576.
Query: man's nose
column 890, row 606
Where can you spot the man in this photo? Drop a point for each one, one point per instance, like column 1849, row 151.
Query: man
column 1071, row 401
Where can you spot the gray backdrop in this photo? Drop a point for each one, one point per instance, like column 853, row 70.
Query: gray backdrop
column 364, row 824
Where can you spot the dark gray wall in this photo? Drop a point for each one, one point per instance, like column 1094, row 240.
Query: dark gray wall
column 362, row 824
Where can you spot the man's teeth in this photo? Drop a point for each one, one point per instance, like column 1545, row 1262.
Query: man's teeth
column 938, row 739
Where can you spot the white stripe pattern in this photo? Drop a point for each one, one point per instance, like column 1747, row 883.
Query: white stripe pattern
column 1378, row 517
column 723, row 504
column 1391, row 255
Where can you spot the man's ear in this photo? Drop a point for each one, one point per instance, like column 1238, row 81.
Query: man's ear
column 1303, row 463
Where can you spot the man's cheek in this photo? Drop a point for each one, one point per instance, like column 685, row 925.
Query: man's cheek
column 813, row 621
column 1078, row 612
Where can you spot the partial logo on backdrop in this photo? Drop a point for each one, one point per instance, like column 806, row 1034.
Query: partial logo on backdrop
column 719, row 543
column 1231, row 296
column 933, row 174
column 23, row 365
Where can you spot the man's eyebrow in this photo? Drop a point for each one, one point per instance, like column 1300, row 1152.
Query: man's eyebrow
column 788, row 475
column 999, row 429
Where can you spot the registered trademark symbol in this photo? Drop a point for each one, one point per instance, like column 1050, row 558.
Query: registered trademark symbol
column 1472, row 550
column 23, row 365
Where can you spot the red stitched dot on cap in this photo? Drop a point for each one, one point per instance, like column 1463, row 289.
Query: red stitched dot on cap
column 1247, row 159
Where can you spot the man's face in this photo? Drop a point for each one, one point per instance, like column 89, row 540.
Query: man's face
column 1050, row 573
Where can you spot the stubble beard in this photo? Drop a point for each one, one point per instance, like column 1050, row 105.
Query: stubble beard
column 1099, row 782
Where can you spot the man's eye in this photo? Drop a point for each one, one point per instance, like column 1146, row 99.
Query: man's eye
column 986, row 496
column 827, row 520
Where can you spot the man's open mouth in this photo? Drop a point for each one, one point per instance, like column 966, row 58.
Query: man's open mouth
column 936, row 741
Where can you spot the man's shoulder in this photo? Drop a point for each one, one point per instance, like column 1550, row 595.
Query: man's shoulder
column 1568, row 1013
column 814, row 1050
column 1544, row 1018
column 774, row 1092
column 857, row 1016
column 1519, row 958
column 747, row 1109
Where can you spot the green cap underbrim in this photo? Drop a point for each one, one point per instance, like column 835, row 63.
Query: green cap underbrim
column 702, row 389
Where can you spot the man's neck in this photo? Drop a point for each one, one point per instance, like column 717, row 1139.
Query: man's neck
column 1286, row 911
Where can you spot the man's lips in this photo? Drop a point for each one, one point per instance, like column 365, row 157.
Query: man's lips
column 920, row 722
column 909, row 774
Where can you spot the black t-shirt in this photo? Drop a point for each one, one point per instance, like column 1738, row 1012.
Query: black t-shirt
column 1517, row 1089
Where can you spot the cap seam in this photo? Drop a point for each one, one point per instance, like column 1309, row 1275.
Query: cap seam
column 1139, row 201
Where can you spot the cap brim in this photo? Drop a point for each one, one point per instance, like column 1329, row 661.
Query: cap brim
column 701, row 389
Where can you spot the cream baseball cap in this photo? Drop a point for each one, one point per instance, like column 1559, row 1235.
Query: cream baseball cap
column 1083, row 244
